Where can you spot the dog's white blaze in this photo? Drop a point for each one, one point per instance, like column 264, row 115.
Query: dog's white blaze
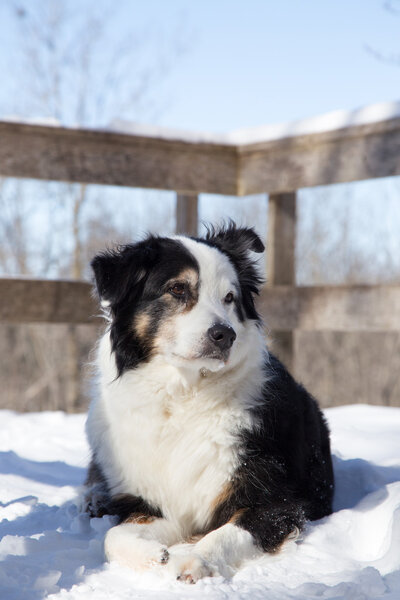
column 217, row 277
column 163, row 432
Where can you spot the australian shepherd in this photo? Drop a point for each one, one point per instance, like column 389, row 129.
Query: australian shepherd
column 203, row 445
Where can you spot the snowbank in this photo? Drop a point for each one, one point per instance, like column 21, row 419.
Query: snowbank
column 338, row 119
column 48, row 549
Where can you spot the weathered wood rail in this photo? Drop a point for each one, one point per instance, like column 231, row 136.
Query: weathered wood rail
column 278, row 167
column 306, row 308
column 284, row 165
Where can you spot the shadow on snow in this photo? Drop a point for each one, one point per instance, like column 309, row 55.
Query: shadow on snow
column 55, row 547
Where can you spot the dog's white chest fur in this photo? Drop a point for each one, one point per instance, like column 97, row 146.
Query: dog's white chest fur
column 175, row 447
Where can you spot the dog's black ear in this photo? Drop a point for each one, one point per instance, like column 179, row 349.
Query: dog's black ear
column 118, row 269
column 106, row 268
column 236, row 243
column 235, row 239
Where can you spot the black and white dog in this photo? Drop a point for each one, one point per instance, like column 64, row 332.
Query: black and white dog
column 203, row 445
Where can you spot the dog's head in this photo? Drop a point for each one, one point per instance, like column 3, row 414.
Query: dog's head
column 189, row 300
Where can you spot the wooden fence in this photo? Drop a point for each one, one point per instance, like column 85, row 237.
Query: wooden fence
column 277, row 167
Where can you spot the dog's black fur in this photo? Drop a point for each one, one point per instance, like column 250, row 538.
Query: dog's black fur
column 285, row 475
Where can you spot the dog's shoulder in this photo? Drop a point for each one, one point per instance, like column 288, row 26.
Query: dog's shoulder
column 287, row 406
column 290, row 447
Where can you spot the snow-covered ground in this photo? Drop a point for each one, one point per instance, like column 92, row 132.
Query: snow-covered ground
column 48, row 549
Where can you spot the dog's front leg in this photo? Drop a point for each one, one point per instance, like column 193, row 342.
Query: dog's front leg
column 248, row 533
column 217, row 553
column 140, row 542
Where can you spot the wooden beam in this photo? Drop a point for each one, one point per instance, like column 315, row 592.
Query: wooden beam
column 47, row 301
column 281, row 268
column 281, row 239
column 90, row 156
column 186, row 214
column 349, row 154
column 332, row 308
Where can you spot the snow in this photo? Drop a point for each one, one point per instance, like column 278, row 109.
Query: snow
column 48, row 549
column 45, row 121
column 337, row 119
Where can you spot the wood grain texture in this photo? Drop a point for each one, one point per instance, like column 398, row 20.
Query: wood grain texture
column 187, row 214
column 349, row 154
column 47, row 301
column 281, row 239
column 92, row 156
column 331, row 308
column 342, row 308
column 281, row 267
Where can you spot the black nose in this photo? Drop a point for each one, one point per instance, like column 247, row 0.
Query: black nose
column 222, row 336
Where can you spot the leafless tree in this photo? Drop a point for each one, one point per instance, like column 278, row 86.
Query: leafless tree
column 72, row 70
column 389, row 58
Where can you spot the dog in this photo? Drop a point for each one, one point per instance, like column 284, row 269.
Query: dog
column 203, row 445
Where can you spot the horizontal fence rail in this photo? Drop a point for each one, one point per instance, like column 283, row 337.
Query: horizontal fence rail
column 189, row 167
column 92, row 156
column 324, row 308
column 46, row 301
column 332, row 308
column 349, row 154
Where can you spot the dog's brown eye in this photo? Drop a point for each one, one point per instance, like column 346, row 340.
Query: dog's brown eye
column 228, row 298
column 177, row 290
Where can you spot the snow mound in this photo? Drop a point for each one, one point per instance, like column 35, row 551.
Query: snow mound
column 48, row 549
column 337, row 119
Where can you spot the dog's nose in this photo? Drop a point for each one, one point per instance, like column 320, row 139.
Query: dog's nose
column 222, row 336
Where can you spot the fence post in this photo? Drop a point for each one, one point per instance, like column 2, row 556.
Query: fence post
column 281, row 248
column 186, row 214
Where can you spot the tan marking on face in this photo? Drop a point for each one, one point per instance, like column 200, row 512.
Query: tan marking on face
column 141, row 324
column 166, row 332
column 140, row 519
column 168, row 299
column 190, row 278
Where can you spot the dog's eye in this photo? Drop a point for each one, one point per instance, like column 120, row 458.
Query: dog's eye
column 177, row 290
column 228, row 298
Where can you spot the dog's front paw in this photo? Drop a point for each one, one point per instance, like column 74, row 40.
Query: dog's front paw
column 127, row 549
column 190, row 568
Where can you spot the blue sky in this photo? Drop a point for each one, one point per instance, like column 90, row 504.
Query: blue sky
column 247, row 63
column 260, row 61
column 251, row 62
